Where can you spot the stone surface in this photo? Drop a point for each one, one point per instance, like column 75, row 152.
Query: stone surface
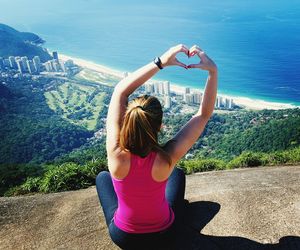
column 256, row 208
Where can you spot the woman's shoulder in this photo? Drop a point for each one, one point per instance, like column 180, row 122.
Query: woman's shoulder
column 119, row 164
column 161, row 169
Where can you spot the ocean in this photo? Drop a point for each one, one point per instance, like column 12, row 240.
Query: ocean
column 256, row 44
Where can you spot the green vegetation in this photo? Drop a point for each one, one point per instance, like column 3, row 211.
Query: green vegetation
column 72, row 175
column 201, row 165
column 30, row 131
column 64, row 177
column 77, row 103
column 15, row 43
column 49, row 142
column 228, row 135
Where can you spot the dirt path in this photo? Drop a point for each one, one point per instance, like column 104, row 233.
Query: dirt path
column 238, row 209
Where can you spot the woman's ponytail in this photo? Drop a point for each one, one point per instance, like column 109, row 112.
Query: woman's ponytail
column 141, row 124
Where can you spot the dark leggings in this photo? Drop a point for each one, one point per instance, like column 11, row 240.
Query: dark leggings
column 175, row 190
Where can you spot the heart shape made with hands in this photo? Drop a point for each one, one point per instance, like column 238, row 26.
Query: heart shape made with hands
column 188, row 60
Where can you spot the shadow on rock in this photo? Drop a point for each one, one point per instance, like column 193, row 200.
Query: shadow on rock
column 199, row 214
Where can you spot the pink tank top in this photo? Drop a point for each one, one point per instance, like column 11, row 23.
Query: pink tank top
column 142, row 205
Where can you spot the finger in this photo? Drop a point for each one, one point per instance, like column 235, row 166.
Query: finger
column 180, row 64
column 182, row 48
column 197, row 47
column 193, row 66
column 194, row 51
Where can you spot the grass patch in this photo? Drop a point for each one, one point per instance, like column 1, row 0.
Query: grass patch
column 78, row 103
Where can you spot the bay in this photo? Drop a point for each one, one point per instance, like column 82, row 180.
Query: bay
column 255, row 44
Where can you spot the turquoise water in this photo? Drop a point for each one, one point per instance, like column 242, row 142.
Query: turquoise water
column 255, row 44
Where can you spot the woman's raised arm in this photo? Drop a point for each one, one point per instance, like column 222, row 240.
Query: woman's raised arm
column 189, row 134
column 127, row 86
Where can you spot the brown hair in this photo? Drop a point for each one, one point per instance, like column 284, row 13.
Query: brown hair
column 141, row 124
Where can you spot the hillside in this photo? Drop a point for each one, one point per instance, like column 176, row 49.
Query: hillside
column 15, row 43
column 254, row 208
column 29, row 129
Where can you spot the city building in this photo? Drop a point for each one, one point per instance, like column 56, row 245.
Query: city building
column 55, row 55
column 55, row 65
column 186, row 92
column 6, row 63
column 149, row 88
column 24, row 60
column 37, row 64
column 197, row 97
column 188, row 98
column 62, row 66
column 156, row 87
column 12, row 62
column 229, row 103
column 166, row 88
column 168, row 102
column 34, row 66
column 219, row 102
column 19, row 65
column 161, row 88
column 30, row 66
column 48, row 66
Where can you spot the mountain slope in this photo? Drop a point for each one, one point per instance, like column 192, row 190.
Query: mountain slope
column 15, row 43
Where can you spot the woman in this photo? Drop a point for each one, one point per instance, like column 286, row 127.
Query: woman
column 142, row 195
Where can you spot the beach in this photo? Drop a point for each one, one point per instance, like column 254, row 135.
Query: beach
column 242, row 101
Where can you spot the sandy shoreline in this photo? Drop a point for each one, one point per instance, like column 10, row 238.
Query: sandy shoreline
column 246, row 102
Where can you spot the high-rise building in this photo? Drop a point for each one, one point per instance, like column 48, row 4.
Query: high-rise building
column 188, row 98
column 30, row 66
column 149, row 88
column 161, row 88
column 62, row 66
column 48, row 66
column 168, row 102
column 219, row 102
column 166, row 85
column 185, row 94
column 197, row 97
column 12, row 62
column 187, row 90
column 24, row 60
column 156, row 87
column 230, row 106
column 37, row 64
column 6, row 63
column 19, row 65
column 55, row 55
column 229, row 103
column 55, row 65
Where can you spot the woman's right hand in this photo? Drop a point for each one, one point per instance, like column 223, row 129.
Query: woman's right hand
column 169, row 57
column 205, row 62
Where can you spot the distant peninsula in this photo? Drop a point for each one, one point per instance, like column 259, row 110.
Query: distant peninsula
column 16, row 43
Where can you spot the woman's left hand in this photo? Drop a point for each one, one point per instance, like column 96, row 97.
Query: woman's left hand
column 169, row 57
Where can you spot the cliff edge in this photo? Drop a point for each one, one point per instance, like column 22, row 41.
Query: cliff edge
column 257, row 208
